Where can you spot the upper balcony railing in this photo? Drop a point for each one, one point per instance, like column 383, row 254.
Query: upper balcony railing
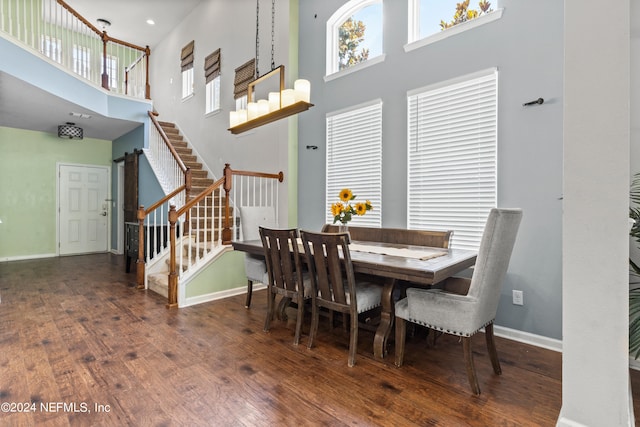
column 57, row 31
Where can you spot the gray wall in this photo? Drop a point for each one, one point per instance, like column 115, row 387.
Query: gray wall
column 526, row 47
column 231, row 27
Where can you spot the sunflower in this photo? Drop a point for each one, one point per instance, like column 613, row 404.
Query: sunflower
column 336, row 209
column 346, row 195
column 361, row 208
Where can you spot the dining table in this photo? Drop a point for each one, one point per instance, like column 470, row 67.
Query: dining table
column 420, row 266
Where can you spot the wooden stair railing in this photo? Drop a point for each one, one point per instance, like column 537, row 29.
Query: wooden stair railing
column 207, row 223
column 202, row 240
column 105, row 40
column 228, row 175
column 169, row 161
column 142, row 242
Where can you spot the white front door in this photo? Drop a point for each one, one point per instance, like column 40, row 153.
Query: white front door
column 84, row 209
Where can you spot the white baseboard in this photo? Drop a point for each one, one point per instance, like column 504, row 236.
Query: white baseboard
column 528, row 338
column 543, row 342
column 27, row 257
column 220, row 295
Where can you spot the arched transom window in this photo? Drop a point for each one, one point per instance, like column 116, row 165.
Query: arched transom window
column 354, row 34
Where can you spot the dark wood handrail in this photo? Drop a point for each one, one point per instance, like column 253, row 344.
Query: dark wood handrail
column 279, row 176
column 165, row 138
column 191, row 203
column 165, row 199
column 174, row 214
column 106, row 39
column 102, row 34
column 142, row 214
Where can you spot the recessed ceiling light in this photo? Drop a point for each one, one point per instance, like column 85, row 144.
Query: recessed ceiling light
column 151, row 22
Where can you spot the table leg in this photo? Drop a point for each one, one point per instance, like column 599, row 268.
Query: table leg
column 386, row 320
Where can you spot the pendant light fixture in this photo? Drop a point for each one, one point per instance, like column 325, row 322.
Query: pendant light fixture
column 278, row 105
column 70, row 131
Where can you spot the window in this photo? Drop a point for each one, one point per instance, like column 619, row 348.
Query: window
column 354, row 159
column 186, row 63
column 429, row 18
column 212, row 79
column 354, row 34
column 213, row 95
column 52, row 48
column 112, row 71
column 452, row 156
column 82, row 61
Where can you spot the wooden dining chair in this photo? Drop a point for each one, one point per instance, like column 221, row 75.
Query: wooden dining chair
column 285, row 273
column 464, row 306
column 334, row 284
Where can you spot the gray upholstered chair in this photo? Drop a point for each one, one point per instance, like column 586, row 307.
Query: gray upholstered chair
column 285, row 274
column 334, row 284
column 463, row 306
column 251, row 218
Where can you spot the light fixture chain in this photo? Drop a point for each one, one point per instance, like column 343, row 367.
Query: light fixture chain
column 273, row 25
column 257, row 36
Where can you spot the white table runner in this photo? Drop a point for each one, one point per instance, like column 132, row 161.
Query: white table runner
column 422, row 254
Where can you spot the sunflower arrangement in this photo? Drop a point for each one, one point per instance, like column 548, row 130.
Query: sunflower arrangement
column 346, row 208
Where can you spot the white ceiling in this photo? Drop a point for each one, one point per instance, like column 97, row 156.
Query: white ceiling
column 128, row 17
column 24, row 106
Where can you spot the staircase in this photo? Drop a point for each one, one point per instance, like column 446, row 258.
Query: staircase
column 200, row 180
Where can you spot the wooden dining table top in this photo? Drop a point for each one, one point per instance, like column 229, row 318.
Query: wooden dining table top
column 426, row 272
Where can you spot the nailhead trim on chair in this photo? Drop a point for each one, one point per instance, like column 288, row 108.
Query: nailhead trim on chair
column 460, row 334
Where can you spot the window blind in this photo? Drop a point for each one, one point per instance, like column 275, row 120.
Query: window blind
column 244, row 75
column 452, row 156
column 212, row 66
column 186, row 56
column 354, row 160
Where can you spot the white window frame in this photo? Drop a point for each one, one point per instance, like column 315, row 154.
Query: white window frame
column 82, row 61
column 241, row 103
column 212, row 96
column 333, row 25
column 354, row 159
column 51, row 48
column 187, row 83
column 112, row 70
column 413, row 38
column 452, row 139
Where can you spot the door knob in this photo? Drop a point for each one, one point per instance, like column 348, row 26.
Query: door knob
column 103, row 214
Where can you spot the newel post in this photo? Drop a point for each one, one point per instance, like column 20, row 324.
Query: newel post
column 228, row 179
column 140, row 266
column 105, row 75
column 147, row 86
column 172, row 294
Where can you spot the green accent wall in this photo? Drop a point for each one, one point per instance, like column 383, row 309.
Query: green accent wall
column 28, row 167
column 292, row 185
column 227, row 272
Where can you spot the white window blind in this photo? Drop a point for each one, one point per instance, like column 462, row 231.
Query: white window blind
column 453, row 157
column 354, row 160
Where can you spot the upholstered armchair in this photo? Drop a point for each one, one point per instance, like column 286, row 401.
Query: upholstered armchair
column 464, row 306
column 251, row 218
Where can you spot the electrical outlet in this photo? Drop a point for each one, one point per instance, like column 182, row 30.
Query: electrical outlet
column 518, row 298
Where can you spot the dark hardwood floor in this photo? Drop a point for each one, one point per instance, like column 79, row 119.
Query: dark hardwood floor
column 82, row 346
